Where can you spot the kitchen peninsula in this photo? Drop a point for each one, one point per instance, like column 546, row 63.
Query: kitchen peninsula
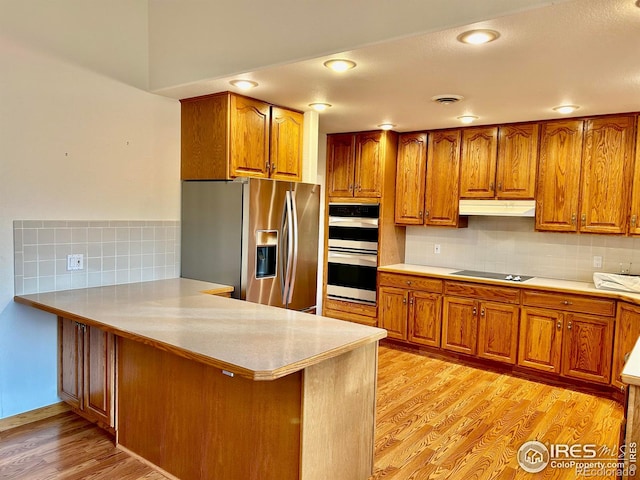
column 213, row 387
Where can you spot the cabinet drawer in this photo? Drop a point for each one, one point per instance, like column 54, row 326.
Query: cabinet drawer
column 482, row 292
column 569, row 302
column 412, row 282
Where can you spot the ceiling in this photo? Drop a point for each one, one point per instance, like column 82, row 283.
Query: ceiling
column 582, row 52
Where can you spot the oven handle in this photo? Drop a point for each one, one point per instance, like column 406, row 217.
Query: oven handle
column 351, row 222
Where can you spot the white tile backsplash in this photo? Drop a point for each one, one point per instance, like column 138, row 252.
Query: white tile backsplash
column 116, row 251
column 510, row 245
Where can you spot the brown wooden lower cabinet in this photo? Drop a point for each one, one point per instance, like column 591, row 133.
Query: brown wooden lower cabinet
column 572, row 344
column 86, row 371
column 540, row 344
column 392, row 311
column 460, row 325
column 409, row 308
column 498, row 332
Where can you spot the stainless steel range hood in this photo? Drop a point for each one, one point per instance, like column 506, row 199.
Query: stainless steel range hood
column 498, row 208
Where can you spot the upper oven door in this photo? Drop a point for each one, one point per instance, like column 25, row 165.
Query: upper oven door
column 353, row 226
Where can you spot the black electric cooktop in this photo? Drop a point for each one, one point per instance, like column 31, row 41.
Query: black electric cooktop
column 513, row 277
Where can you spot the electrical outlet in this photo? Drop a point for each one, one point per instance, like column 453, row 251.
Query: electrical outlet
column 436, row 248
column 75, row 261
column 597, row 261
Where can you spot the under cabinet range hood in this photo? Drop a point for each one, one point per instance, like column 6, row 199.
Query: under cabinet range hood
column 498, row 208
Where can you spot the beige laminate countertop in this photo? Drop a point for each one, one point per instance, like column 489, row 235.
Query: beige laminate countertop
column 254, row 341
column 538, row 283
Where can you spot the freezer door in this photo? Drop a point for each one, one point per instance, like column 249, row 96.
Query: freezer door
column 211, row 243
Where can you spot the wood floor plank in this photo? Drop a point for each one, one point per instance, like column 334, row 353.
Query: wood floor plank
column 436, row 420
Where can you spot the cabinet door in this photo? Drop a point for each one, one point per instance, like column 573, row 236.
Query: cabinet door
column 558, row 184
column 98, row 374
column 286, row 144
column 634, row 226
column 392, row 312
column 340, row 165
column 460, row 325
column 70, row 357
column 425, row 318
column 587, row 344
column 411, row 171
column 607, row 167
column 368, row 165
column 443, row 178
column 249, row 137
column 498, row 332
column 478, row 162
column 203, row 138
column 627, row 331
column 540, row 339
column 517, row 161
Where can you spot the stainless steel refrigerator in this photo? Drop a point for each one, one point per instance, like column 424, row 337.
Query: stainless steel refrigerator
column 261, row 236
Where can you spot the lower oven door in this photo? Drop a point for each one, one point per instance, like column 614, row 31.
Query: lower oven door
column 352, row 277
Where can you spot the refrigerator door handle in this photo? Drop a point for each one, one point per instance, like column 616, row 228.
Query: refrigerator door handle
column 282, row 261
column 294, row 258
column 285, row 265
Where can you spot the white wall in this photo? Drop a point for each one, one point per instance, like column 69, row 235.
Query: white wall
column 74, row 145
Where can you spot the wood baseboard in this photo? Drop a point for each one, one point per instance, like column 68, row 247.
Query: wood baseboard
column 33, row 416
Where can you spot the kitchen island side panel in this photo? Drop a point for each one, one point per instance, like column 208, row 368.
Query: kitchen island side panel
column 195, row 422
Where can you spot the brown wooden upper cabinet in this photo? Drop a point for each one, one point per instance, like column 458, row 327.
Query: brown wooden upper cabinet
column 428, row 179
column 499, row 162
column 227, row 135
column 585, row 175
column 443, row 180
column 411, row 171
column 355, row 163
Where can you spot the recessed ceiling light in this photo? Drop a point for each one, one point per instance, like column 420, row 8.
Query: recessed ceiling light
column 244, row 84
column 447, row 98
column 467, row 118
column 386, row 126
column 319, row 106
column 478, row 37
column 340, row 64
column 566, row 109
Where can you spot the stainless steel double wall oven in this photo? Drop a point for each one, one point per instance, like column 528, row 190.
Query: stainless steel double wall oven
column 353, row 252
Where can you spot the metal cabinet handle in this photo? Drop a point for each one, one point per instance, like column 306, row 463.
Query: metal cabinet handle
column 491, row 186
column 583, row 219
column 475, row 311
column 411, row 301
column 633, row 221
column 266, row 166
column 404, row 300
column 350, row 187
column 567, row 302
column 573, row 219
column 420, row 214
column 426, row 213
column 569, row 326
column 559, row 325
column 408, row 282
column 482, row 312
column 499, row 186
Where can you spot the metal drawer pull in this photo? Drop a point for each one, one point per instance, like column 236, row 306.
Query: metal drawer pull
column 559, row 325
column 567, row 302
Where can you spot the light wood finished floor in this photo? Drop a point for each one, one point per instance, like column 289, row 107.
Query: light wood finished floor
column 435, row 420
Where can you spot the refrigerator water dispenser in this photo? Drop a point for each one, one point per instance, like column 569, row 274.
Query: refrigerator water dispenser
column 266, row 253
